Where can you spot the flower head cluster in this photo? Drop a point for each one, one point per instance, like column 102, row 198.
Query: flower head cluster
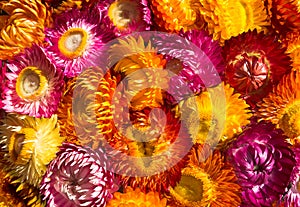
column 149, row 103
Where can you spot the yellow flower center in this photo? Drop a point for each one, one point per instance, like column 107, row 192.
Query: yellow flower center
column 196, row 188
column 31, row 83
column 20, row 145
column 73, row 42
column 123, row 12
column 143, row 146
column 290, row 121
column 203, row 124
column 190, row 188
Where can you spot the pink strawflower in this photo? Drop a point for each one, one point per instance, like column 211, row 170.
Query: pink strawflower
column 78, row 176
column 76, row 40
column 33, row 85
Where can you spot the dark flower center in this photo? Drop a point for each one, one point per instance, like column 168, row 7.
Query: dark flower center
column 298, row 185
column 258, row 168
column 146, row 150
column 264, row 161
column 174, row 65
column 4, row 16
column 251, row 72
column 257, row 164
column 18, row 144
column 71, row 189
column 68, row 188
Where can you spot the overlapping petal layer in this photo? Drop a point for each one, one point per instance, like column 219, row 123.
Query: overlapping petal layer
column 254, row 63
column 33, row 85
column 22, row 26
column 206, row 181
column 281, row 106
column 263, row 163
column 78, row 176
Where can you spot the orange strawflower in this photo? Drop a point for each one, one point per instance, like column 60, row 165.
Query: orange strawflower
column 23, row 26
column 136, row 198
column 221, row 17
column 214, row 117
column 207, row 181
column 282, row 106
column 174, row 15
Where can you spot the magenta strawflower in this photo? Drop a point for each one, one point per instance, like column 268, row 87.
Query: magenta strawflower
column 292, row 197
column 76, row 39
column 210, row 47
column 196, row 59
column 78, row 177
column 263, row 163
column 33, row 85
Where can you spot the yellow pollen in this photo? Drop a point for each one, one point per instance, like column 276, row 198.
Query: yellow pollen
column 31, row 83
column 190, row 188
column 290, row 121
column 73, row 42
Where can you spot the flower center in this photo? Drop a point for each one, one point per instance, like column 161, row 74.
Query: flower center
column 174, row 65
column 252, row 72
column 295, row 55
column 19, row 138
column 298, row 185
column 124, row 12
column 147, row 151
column 258, row 168
column 31, row 83
column 21, row 145
column 73, row 42
column 71, row 190
column 4, row 16
column 68, row 188
column 260, row 163
column 190, row 188
column 203, row 124
column 290, row 121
